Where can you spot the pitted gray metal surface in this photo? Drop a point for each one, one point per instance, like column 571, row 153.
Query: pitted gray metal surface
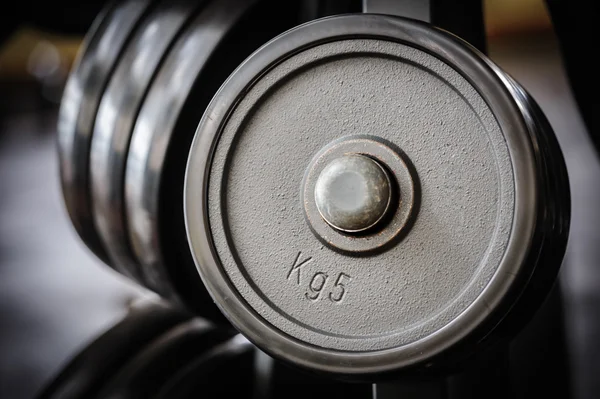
column 414, row 289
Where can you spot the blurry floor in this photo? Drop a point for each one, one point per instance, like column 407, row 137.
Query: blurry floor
column 54, row 296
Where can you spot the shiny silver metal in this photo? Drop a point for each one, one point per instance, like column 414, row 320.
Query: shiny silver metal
column 157, row 124
column 353, row 193
column 532, row 208
column 116, row 116
column 404, row 196
column 415, row 9
column 94, row 65
column 157, row 350
column 146, row 319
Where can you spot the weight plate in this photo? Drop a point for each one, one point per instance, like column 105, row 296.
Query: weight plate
column 484, row 211
column 116, row 116
column 206, row 375
column 155, row 126
column 92, row 69
column 96, row 364
column 212, row 46
column 152, row 368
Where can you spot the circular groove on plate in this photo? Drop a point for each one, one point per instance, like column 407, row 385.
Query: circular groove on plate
column 531, row 221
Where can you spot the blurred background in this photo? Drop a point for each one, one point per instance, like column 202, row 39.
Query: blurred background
column 55, row 296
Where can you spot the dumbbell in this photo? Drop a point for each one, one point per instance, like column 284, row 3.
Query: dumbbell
column 368, row 195
column 364, row 195
column 146, row 71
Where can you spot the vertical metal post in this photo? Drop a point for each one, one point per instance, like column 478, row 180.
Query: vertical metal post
column 463, row 18
column 426, row 389
column 415, row 9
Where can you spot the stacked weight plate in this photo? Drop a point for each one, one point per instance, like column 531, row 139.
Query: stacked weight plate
column 144, row 76
column 368, row 194
column 364, row 194
column 157, row 351
column 100, row 54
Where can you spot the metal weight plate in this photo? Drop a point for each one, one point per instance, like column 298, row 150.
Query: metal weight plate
column 96, row 364
column 290, row 233
column 171, row 354
column 210, row 48
column 206, row 375
column 116, row 116
column 155, row 125
column 93, row 67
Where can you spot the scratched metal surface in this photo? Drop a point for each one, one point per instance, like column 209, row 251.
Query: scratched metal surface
column 394, row 298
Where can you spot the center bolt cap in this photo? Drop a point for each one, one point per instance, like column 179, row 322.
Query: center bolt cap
column 353, row 193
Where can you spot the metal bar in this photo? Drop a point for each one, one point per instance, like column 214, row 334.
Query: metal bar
column 263, row 375
column 415, row 9
column 416, row 389
column 463, row 18
column 574, row 23
column 313, row 9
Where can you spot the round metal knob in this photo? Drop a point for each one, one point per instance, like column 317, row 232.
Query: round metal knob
column 353, row 193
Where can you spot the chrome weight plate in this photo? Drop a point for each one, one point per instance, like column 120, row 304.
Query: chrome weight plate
column 116, row 116
column 91, row 72
column 155, row 126
column 154, row 369
column 211, row 47
column 156, row 351
column 89, row 370
column 224, row 371
column 478, row 211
